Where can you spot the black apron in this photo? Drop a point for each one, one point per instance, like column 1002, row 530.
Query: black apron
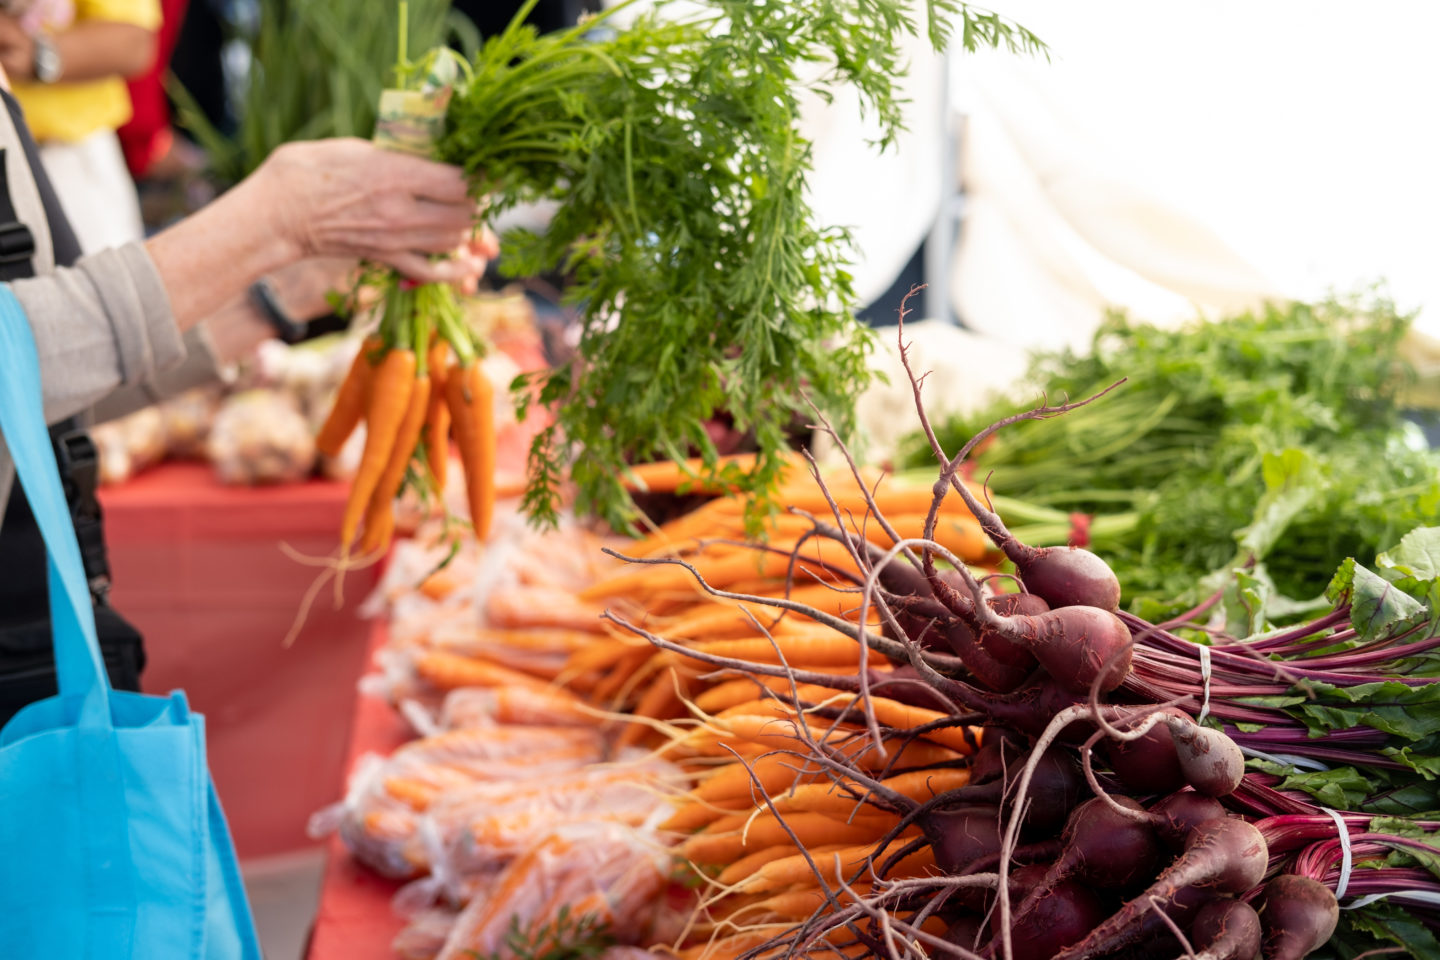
column 27, row 661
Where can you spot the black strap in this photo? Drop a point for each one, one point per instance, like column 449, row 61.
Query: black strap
column 17, row 243
column 75, row 452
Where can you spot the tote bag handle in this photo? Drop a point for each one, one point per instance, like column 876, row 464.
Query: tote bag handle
column 79, row 667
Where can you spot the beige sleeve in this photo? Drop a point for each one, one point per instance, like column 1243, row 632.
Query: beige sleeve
column 198, row 369
column 100, row 325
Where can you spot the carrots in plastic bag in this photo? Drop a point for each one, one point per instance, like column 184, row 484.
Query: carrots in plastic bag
column 604, row 872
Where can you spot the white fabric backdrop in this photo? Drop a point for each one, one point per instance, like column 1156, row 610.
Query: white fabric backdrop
column 1183, row 156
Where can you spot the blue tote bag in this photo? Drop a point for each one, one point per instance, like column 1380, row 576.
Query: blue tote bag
column 112, row 842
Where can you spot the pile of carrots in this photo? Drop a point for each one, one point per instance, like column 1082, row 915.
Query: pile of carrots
column 414, row 383
column 532, row 651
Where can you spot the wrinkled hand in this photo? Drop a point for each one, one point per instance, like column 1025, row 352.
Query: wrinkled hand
column 349, row 198
column 303, row 287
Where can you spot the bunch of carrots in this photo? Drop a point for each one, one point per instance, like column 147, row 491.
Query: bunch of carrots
column 415, row 382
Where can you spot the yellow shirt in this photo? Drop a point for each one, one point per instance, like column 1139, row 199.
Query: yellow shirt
column 73, row 111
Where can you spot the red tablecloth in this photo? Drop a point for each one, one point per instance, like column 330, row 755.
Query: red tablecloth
column 354, row 921
column 199, row 570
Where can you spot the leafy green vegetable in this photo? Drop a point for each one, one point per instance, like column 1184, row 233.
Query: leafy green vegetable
column 1359, row 929
column 1274, row 438
column 672, row 149
column 567, row 937
column 1378, row 608
column 1343, row 788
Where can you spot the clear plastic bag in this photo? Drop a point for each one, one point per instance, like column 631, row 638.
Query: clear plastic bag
column 574, row 885
column 480, row 827
column 188, row 420
column 259, row 437
column 130, row 444
column 379, row 819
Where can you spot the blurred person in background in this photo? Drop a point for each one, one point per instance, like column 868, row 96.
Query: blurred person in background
column 110, row 324
column 68, row 61
column 147, row 139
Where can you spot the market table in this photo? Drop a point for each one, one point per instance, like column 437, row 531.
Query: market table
column 199, row 570
column 354, row 920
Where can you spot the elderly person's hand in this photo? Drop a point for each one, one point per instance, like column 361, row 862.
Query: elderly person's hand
column 333, row 198
column 326, row 198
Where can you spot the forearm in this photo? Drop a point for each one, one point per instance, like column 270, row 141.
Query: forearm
column 212, row 256
column 102, row 324
column 95, row 49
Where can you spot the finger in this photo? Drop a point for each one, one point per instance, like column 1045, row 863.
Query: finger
column 486, row 244
column 416, row 266
column 426, row 179
column 425, row 241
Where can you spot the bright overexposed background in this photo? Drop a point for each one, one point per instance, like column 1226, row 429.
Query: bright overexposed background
column 1209, row 148
column 1172, row 159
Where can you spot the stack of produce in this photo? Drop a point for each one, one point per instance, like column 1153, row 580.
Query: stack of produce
column 1278, row 438
column 544, row 724
column 1109, row 811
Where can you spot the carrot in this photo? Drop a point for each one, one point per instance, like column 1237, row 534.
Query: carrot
column 795, row 870
column 829, row 799
column 669, row 476
column 660, row 701
column 349, row 405
column 811, row 829
column 449, row 671
column 800, row 904
column 471, row 399
column 441, row 583
column 390, row 390
column 751, row 864
column 828, row 649
column 747, row 735
column 381, row 511
column 959, row 533
column 620, row 674
column 726, row 948
column 906, row 755
column 379, row 527
column 734, row 692
column 602, row 653
column 734, row 782
column 437, row 417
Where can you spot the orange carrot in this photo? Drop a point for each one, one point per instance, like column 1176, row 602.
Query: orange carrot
column 349, row 404
column 800, row 904
column 734, row 782
column 448, row 671
column 830, row 649
column 668, row 476
column 379, row 527
column 747, row 866
column 619, row 675
column 390, row 390
column 718, row 569
column 811, row 829
column 660, row 701
column 471, row 400
column 920, row 785
column 795, row 869
column 381, row 510
column 437, row 418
